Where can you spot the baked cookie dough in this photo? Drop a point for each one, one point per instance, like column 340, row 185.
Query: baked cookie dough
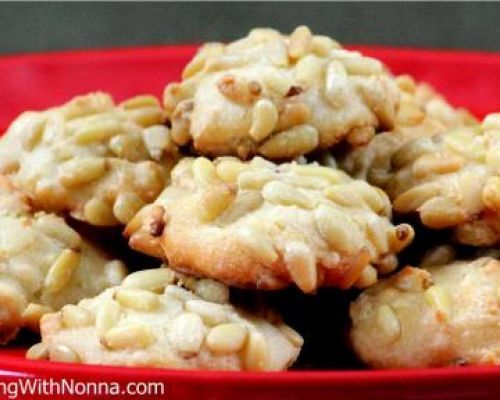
column 438, row 316
column 452, row 180
column 259, row 224
column 279, row 96
column 44, row 264
column 422, row 112
column 158, row 318
column 99, row 161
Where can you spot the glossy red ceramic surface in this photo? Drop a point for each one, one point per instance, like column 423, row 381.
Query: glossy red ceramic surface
column 37, row 81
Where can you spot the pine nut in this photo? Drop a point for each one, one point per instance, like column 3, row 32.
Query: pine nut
column 255, row 353
column 308, row 70
column 62, row 353
column 107, row 315
column 229, row 170
column 491, row 121
column 129, row 336
column 338, row 229
column 140, row 101
column 386, row 264
column 152, row 279
column 179, row 293
column 282, row 193
column 76, row 317
column 38, row 351
column 238, row 89
column 138, row 299
column 300, row 42
column 259, row 243
column 264, row 119
column 275, row 81
column 187, row 333
column 244, row 204
column 440, row 255
column 129, row 146
column 298, row 140
column 211, row 313
column 114, row 272
column 214, row 200
column 330, row 174
column 292, row 335
column 368, row 277
column 362, row 66
column 61, row 271
column 58, row 229
column 211, row 290
column 34, row 130
column 438, row 298
column 146, row 116
column 442, row 212
column 491, row 193
column 204, row 172
column 97, row 132
column 435, row 164
column 415, row 197
column 226, row 338
column 158, row 142
column 82, row 171
column 98, row 212
column 127, row 205
column 400, row 237
column 292, row 114
column 410, row 114
column 32, row 314
column 376, row 233
column 336, row 82
column 412, row 150
column 406, row 83
column 254, row 179
column 301, row 264
column 389, row 322
column 360, row 136
column 322, row 45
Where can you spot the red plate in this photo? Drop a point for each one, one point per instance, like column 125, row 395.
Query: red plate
column 37, row 81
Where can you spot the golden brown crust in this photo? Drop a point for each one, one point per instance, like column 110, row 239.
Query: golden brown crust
column 99, row 161
column 258, row 224
column 158, row 318
column 438, row 316
column 259, row 95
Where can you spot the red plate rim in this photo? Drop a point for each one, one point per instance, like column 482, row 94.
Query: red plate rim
column 22, row 367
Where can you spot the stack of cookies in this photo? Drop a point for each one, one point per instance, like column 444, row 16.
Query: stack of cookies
column 277, row 161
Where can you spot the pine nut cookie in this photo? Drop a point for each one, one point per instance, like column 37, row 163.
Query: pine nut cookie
column 259, row 224
column 279, row 96
column 99, row 161
column 438, row 316
column 158, row 318
column 44, row 264
column 422, row 113
column 452, row 180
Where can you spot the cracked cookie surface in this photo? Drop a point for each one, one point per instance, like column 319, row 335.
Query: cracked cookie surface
column 99, row 161
column 279, row 96
column 159, row 318
column 44, row 264
column 259, row 224
column 438, row 316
